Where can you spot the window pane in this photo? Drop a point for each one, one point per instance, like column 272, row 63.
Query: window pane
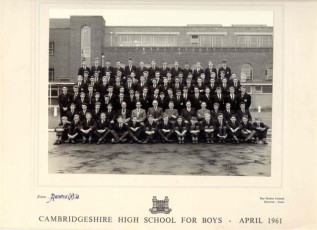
column 254, row 40
column 258, row 89
column 248, row 89
column 86, row 44
column 267, row 89
column 51, row 74
column 51, row 48
column 242, row 40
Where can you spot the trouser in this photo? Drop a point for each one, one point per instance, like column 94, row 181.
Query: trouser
column 248, row 136
column 102, row 136
column 209, row 135
column 234, row 135
column 165, row 136
column 222, row 130
column 87, row 135
column 61, row 135
column 261, row 134
column 119, row 135
column 135, row 135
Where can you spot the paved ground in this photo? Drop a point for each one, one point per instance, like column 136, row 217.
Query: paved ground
column 161, row 159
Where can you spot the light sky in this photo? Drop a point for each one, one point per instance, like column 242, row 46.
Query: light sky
column 153, row 17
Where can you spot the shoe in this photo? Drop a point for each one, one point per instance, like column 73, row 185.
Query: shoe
column 264, row 142
column 72, row 141
column 99, row 141
column 237, row 142
column 67, row 141
column 223, row 141
column 84, row 141
column 55, row 143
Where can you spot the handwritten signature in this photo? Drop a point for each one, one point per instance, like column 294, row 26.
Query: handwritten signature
column 70, row 196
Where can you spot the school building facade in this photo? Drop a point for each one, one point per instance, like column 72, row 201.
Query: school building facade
column 247, row 48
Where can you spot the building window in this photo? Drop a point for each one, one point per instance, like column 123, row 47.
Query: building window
column 212, row 40
column 194, row 40
column 263, row 89
column 255, row 40
column 51, row 74
column 147, row 40
column 248, row 89
column 246, row 72
column 86, row 44
column 269, row 73
column 51, row 48
column 258, row 89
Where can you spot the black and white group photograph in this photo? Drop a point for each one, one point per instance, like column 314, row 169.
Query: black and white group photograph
column 160, row 92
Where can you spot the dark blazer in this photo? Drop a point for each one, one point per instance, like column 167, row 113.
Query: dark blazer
column 196, row 101
column 147, row 125
column 95, row 114
column 233, row 125
column 82, row 70
column 186, row 72
column 70, row 115
column 91, row 124
column 115, row 70
column 163, row 103
column 208, row 72
column 180, row 126
column 82, row 114
column 110, row 115
column 197, row 73
column 108, row 68
column 233, row 102
column 82, row 87
column 248, row 126
column 117, row 128
column 220, row 100
column 105, row 125
column 205, row 125
column 79, row 103
column 64, row 100
column 139, row 71
column 188, row 114
column 74, row 127
column 240, row 114
column 214, row 115
column 225, row 89
column 227, row 72
column 209, row 100
column 96, row 69
column 126, row 115
column 74, row 97
column 175, row 71
column 164, row 71
column 217, row 123
column 162, row 125
column 128, row 71
column 227, row 115
column 246, row 98
column 152, row 71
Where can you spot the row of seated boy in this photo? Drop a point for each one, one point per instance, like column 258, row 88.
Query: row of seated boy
column 166, row 131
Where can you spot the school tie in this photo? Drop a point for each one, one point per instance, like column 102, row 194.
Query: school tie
column 232, row 96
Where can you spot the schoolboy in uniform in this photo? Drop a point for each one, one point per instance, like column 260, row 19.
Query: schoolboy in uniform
column 64, row 100
column 103, row 128
column 74, row 129
column 150, row 130
column 261, row 130
column 194, row 129
column 71, row 113
column 247, row 130
column 228, row 112
column 96, row 112
column 215, row 112
column 221, row 129
column 83, row 112
column 243, row 112
column 180, row 129
column 233, row 127
column 110, row 113
column 166, row 129
column 87, row 128
column 171, row 112
column 135, row 130
column 119, row 131
column 208, row 128
column 61, row 131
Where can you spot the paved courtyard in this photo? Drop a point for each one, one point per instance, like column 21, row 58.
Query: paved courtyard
column 160, row 159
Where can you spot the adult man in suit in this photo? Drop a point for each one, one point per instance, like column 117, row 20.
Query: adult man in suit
column 165, row 129
column 209, row 70
column 155, row 111
column 103, row 129
column 87, row 128
column 139, row 113
column 201, row 112
column 96, row 68
column 244, row 97
column 83, row 68
column 120, row 131
column 109, row 68
column 124, row 112
column 197, row 71
column 176, row 69
column 171, row 112
column 129, row 68
column 225, row 68
column 164, row 69
column 64, row 100
column 188, row 112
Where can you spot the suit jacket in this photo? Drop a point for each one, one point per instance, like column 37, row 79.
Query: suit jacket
column 233, row 125
column 186, row 72
column 201, row 113
column 108, row 68
column 175, row 71
column 248, row 126
column 227, row 72
column 115, row 70
column 91, row 124
column 105, row 125
column 218, row 125
column 74, row 127
column 176, row 87
column 119, row 129
column 139, row 71
column 162, row 125
column 197, row 73
column 142, row 114
column 70, row 115
column 246, row 98
column 152, row 71
column 74, row 97
column 233, row 102
column 212, row 88
column 180, row 126
column 214, row 115
column 82, row 70
column 148, row 125
column 209, row 100
column 95, row 69
column 227, row 115
column 125, row 115
column 208, row 72
column 171, row 113
column 188, row 114
column 225, row 89
column 241, row 113
column 82, row 114
column 64, row 100
column 156, row 114
column 96, row 114
column 111, row 115
column 164, row 71
column 196, row 101
column 220, row 100
column 205, row 125
column 163, row 103
column 79, row 103
column 179, row 104
column 128, row 70
column 82, row 87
